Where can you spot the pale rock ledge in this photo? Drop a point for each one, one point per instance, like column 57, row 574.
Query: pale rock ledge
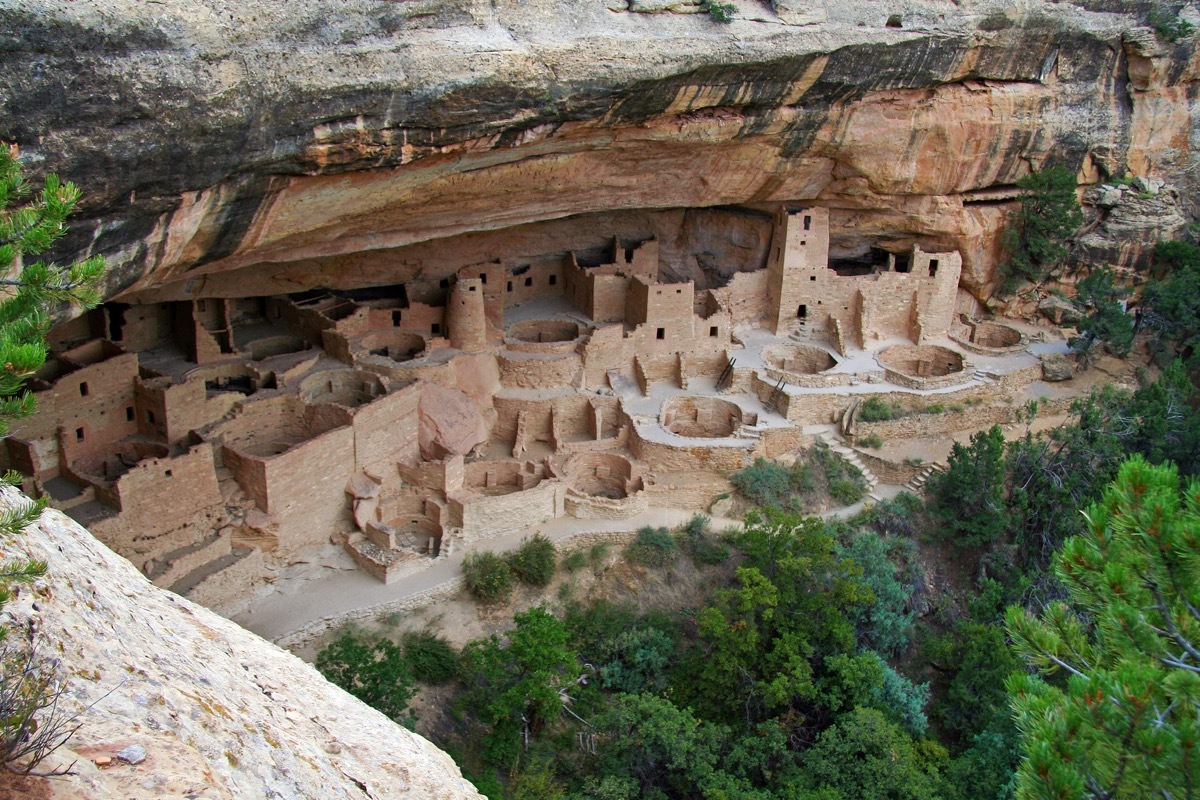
column 220, row 712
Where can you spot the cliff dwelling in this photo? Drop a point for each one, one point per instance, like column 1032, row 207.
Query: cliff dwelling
column 214, row 439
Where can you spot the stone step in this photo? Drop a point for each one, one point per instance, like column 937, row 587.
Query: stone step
column 173, row 566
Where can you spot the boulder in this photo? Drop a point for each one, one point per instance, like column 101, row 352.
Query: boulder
column 1057, row 367
column 1059, row 310
column 450, row 424
column 793, row 12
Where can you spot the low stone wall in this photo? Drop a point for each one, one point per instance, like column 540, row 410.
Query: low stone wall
column 586, row 506
column 530, row 371
column 696, row 494
column 887, row 471
column 777, row 441
column 228, row 586
column 938, row 382
column 809, row 381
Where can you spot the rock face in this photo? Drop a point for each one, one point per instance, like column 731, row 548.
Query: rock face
column 359, row 142
column 184, row 703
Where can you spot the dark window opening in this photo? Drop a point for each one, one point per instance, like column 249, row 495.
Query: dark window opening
column 679, row 291
column 150, row 417
column 79, row 434
column 435, row 328
column 804, row 243
column 713, row 331
column 444, row 283
column 83, row 389
column 812, row 277
column 661, row 334
column 509, row 286
column 529, row 280
column 472, row 288
column 397, row 317
column 129, row 414
column 807, row 222
column 553, row 279
column 629, row 256
column 933, row 265
column 169, row 473
column 483, row 277
column 802, row 312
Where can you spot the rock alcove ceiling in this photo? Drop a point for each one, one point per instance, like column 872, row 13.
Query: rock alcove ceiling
column 244, row 149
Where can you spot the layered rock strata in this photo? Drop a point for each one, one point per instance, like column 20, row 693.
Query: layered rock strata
column 251, row 148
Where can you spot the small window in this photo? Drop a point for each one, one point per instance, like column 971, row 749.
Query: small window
column 169, row 474
column 529, row 281
column 83, row 389
column 79, row 434
column 803, row 242
column 150, row 416
column 553, row 279
column 628, row 256
column 435, row 328
column 483, row 277
column 812, row 277
column 129, row 414
column 662, row 333
column 472, row 288
column 510, row 286
column 802, row 312
column 933, row 265
column 397, row 317
column 444, row 283
column 807, row 222
column 713, row 331
column 679, row 291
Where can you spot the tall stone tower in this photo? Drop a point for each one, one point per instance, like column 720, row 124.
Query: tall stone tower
column 466, row 316
column 797, row 265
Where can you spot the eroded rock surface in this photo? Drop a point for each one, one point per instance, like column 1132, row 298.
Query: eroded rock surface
column 344, row 143
column 219, row 712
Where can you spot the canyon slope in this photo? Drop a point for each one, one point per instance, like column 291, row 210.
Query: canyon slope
column 249, row 148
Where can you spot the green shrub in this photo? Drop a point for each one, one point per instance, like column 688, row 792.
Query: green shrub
column 873, row 441
column 652, row 547
column 846, row 491
column 876, row 409
column 488, row 576
column 598, row 552
column 574, row 560
column 720, row 12
column 376, row 673
column 431, row 658
column 764, row 483
column 1167, row 27
column 534, row 561
column 698, row 542
column 935, row 408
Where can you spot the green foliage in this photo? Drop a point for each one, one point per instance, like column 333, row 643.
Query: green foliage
column 488, row 576
column 847, row 491
column 651, row 547
column 431, row 658
column 1048, row 216
column 968, row 499
column 1169, row 27
column 865, row 757
column 638, row 660
column 1107, row 321
column 1116, row 715
column 574, row 560
column 873, row 441
column 720, row 12
column 887, row 624
column 876, row 409
column 700, row 544
column 764, row 483
column 1172, row 305
column 517, row 685
column 375, row 673
column 534, row 561
column 895, row 517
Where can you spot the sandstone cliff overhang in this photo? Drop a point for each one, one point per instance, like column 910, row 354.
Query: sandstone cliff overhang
column 220, row 712
column 348, row 142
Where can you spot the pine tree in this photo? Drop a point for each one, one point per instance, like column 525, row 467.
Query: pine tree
column 1049, row 215
column 30, row 223
column 1117, row 714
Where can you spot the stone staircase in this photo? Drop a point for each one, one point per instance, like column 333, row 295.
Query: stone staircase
column 917, row 484
column 848, row 455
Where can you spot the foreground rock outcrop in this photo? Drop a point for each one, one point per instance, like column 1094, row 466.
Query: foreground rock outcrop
column 348, row 143
column 220, row 712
